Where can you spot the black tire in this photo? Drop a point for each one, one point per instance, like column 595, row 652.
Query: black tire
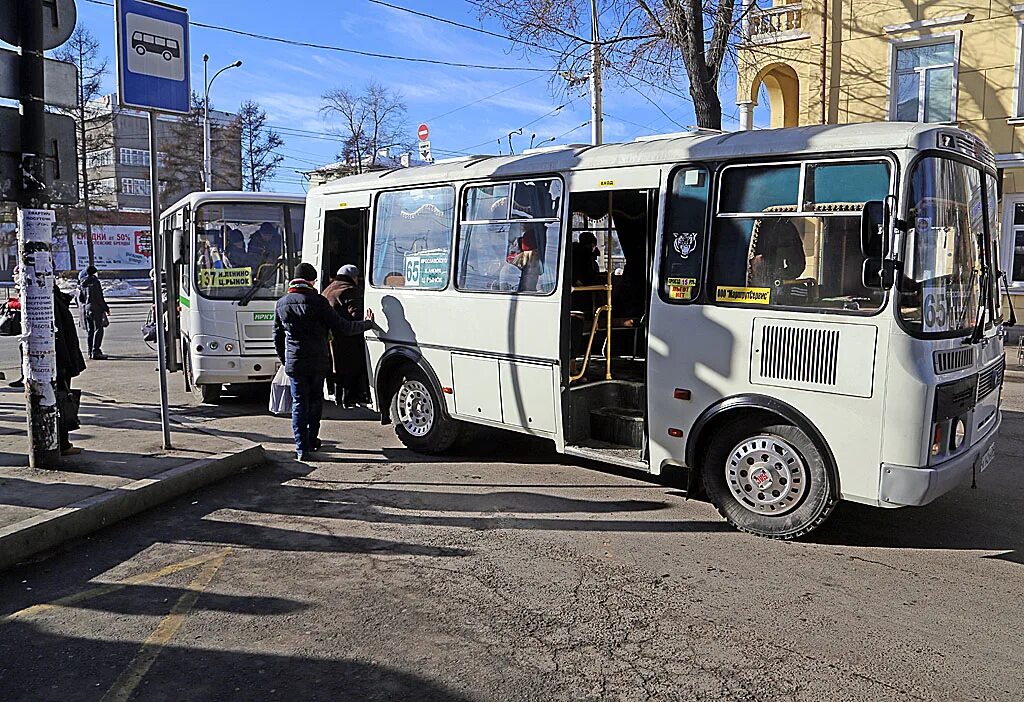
column 805, row 488
column 422, row 425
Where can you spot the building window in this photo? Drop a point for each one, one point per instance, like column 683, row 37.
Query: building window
column 104, row 157
column 134, row 186
column 134, row 157
column 1016, row 237
column 923, row 87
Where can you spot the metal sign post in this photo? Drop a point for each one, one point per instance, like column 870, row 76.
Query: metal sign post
column 153, row 75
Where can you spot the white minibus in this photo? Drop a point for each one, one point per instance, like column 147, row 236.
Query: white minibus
column 797, row 316
column 232, row 254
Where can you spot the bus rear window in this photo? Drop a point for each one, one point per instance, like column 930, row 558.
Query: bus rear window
column 412, row 238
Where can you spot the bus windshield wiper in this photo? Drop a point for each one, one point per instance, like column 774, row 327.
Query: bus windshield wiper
column 258, row 283
column 983, row 304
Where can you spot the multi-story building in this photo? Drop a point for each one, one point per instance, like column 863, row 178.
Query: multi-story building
column 840, row 61
column 121, row 168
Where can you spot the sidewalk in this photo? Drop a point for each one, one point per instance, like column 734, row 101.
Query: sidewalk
column 121, row 471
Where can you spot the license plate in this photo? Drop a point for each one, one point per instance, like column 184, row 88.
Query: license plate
column 986, row 459
column 263, row 316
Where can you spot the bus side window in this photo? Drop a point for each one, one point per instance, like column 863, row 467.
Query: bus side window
column 412, row 238
column 509, row 237
column 684, row 239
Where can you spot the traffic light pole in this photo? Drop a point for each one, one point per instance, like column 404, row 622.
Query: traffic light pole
column 35, row 227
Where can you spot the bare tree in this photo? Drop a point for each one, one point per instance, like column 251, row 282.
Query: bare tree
column 642, row 41
column 93, row 128
column 259, row 141
column 182, row 167
column 369, row 123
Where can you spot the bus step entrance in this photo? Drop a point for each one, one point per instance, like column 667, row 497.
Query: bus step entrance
column 623, row 426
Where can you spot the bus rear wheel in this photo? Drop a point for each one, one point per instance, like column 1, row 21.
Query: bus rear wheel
column 418, row 414
column 771, row 480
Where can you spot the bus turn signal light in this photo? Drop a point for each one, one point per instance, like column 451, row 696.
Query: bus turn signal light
column 681, row 394
column 676, row 433
column 448, row 391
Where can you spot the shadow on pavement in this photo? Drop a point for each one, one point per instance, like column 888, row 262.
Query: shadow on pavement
column 91, row 666
column 156, row 600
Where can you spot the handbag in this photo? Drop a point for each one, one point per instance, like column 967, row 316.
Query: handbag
column 68, row 404
column 149, row 332
column 105, row 320
column 281, row 393
column 10, row 321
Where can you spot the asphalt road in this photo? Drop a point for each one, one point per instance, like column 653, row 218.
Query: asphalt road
column 507, row 572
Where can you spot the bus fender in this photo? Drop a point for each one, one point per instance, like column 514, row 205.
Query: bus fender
column 714, row 416
column 388, row 365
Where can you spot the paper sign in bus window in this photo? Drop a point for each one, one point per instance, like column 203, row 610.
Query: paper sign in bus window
column 749, row 296
column 427, row 269
column 681, row 288
column 225, row 277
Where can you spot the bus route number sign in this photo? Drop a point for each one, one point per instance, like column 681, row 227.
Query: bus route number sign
column 427, row 269
column 224, row 277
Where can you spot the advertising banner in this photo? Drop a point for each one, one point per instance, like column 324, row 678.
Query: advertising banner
column 116, row 247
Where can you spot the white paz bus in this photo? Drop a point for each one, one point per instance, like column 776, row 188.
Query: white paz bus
column 797, row 316
column 232, row 255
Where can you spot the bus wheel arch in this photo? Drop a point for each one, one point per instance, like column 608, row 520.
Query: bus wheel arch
column 727, row 429
column 409, row 395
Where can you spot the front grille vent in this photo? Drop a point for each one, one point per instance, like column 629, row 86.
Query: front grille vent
column 801, row 355
column 954, row 360
column 990, row 378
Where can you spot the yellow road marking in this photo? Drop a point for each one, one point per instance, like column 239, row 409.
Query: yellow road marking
column 126, row 683
column 107, row 588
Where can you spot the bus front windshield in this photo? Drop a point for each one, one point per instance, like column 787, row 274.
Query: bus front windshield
column 949, row 248
column 242, row 250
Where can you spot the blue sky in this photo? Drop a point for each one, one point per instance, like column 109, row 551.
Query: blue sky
column 289, row 80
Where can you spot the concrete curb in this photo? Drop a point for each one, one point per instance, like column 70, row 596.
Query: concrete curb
column 43, row 532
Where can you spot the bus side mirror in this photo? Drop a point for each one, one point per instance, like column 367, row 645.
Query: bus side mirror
column 177, row 246
column 872, row 229
column 878, row 273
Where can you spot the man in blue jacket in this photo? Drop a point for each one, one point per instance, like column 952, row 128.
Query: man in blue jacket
column 301, row 323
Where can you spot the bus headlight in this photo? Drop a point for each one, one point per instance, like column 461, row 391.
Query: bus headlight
column 229, row 347
column 958, row 435
column 213, row 345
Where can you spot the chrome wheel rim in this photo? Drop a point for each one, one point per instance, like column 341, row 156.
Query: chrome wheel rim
column 766, row 475
column 415, row 408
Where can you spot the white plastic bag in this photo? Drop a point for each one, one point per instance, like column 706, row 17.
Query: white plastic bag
column 281, row 393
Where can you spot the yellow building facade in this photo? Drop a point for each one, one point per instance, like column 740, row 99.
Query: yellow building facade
column 942, row 61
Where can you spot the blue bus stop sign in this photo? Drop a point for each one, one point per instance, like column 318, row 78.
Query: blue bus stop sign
column 153, row 56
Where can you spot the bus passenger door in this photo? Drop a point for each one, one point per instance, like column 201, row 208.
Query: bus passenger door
column 344, row 240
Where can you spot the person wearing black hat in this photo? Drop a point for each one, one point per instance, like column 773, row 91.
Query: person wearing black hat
column 302, row 320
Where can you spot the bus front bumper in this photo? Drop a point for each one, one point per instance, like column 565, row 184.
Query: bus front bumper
column 223, row 370
column 909, row 486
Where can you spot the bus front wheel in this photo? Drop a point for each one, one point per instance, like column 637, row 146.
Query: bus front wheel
column 418, row 414
column 768, row 479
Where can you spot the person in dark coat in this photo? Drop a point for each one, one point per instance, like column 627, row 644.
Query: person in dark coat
column 94, row 311
column 351, row 383
column 302, row 320
column 68, row 360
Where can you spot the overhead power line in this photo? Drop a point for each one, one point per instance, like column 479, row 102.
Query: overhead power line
column 356, row 52
column 453, row 23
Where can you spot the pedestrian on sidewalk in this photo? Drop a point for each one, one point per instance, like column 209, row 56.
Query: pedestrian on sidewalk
column 345, row 294
column 94, row 310
column 302, row 320
column 69, row 363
